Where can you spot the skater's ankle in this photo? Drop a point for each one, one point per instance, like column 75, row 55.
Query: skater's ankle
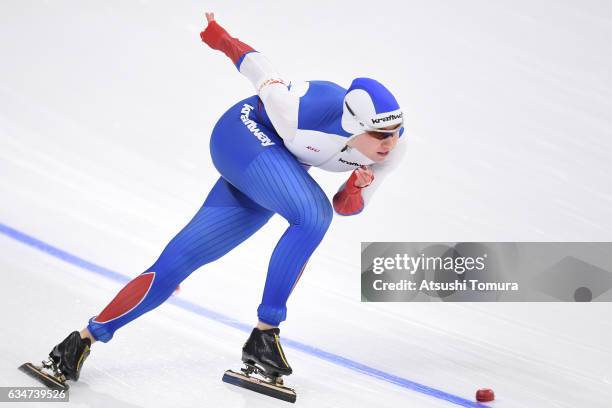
column 85, row 334
column 264, row 326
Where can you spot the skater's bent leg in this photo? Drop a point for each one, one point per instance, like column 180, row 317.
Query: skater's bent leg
column 215, row 230
column 263, row 169
column 278, row 182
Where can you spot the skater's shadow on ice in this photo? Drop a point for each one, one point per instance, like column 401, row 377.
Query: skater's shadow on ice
column 81, row 393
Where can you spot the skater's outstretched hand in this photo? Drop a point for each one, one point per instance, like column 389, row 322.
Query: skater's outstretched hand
column 217, row 38
column 212, row 32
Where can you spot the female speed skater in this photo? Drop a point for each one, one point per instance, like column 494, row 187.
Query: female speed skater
column 263, row 147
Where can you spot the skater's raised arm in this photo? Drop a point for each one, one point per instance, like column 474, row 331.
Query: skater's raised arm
column 281, row 105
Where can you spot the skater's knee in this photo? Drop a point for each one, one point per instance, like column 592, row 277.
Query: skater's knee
column 326, row 213
column 174, row 266
column 315, row 215
column 319, row 218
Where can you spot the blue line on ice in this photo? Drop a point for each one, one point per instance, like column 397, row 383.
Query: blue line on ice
column 218, row 317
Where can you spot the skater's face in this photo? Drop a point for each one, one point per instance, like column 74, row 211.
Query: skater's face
column 375, row 146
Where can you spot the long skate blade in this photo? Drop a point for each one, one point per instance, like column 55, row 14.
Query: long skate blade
column 46, row 379
column 260, row 386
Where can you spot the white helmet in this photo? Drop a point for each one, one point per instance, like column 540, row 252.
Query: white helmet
column 370, row 106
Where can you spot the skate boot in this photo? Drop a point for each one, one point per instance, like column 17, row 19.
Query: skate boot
column 263, row 350
column 64, row 363
column 69, row 355
column 265, row 364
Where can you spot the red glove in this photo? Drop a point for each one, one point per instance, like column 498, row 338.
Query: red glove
column 217, row 38
column 349, row 201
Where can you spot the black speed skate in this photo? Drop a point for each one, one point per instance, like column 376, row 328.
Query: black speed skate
column 263, row 349
column 64, row 363
column 265, row 364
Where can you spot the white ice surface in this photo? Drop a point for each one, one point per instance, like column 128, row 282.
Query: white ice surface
column 105, row 115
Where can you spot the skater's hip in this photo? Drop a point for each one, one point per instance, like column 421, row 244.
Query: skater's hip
column 240, row 136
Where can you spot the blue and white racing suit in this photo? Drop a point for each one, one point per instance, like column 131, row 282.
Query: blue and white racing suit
column 262, row 147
